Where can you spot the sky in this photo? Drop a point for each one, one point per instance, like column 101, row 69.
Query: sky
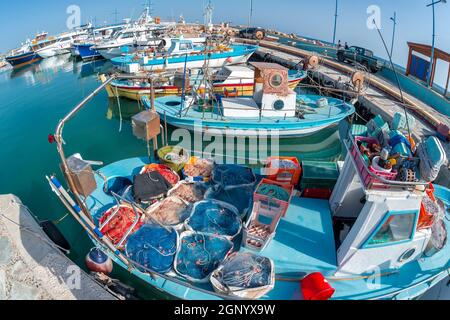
column 21, row 19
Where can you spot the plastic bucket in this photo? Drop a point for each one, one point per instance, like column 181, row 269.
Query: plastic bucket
column 316, row 287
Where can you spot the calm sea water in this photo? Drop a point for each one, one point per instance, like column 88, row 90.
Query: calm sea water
column 32, row 101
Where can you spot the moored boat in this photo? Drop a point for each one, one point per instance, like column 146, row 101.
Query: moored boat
column 184, row 54
column 274, row 107
column 22, row 57
column 370, row 238
column 230, row 81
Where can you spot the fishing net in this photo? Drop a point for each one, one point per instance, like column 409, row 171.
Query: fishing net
column 242, row 272
column 232, row 175
column 118, row 225
column 215, row 217
column 171, row 211
column 171, row 176
column 273, row 192
column 241, row 196
column 198, row 168
column 153, row 248
column 190, row 192
column 200, row 255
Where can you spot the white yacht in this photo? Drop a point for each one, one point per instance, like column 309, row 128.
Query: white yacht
column 62, row 43
column 134, row 37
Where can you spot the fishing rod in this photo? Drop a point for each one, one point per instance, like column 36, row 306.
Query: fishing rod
column 402, row 98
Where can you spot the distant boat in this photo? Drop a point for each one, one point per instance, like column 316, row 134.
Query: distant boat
column 274, row 107
column 184, row 53
column 22, row 56
column 230, row 81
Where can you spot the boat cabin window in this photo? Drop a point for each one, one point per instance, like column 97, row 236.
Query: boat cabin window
column 185, row 46
column 394, row 228
column 276, row 80
column 128, row 35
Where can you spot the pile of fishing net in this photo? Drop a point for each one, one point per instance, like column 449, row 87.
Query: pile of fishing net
column 171, row 211
column 240, row 196
column 170, row 175
column 118, row 221
column 215, row 217
column 273, row 191
column 189, row 192
column 153, row 248
column 197, row 167
column 200, row 254
column 244, row 275
column 232, row 175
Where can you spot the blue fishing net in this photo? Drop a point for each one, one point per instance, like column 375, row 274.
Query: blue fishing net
column 153, row 247
column 214, row 217
column 241, row 196
column 200, row 255
column 246, row 271
column 232, row 175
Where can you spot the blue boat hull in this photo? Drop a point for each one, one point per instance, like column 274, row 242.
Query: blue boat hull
column 23, row 59
column 87, row 53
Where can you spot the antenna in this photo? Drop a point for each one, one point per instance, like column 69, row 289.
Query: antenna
column 396, row 75
column 115, row 14
column 250, row 17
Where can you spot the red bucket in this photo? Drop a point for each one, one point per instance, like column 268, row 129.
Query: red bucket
column 316, row 287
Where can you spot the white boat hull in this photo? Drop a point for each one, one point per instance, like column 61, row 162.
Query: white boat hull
column 295, row 133
column 212, row 63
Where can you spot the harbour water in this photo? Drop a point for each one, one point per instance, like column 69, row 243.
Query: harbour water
column 34, row 98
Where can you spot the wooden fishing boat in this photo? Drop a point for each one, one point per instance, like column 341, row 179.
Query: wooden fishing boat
column 230, row 81
column 274, row 108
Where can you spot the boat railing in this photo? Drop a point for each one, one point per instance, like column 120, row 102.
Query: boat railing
column 369, row 179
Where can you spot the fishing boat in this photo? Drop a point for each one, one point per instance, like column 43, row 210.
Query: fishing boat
column 274, row 107
column 84, row 48
column 22, row 56
column 139, row 35
column 233, row 80
column 370, row 238
column 60, row 44
column 185, row 54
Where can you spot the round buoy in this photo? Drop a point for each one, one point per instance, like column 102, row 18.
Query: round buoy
column 358, row 80
column 98, row 261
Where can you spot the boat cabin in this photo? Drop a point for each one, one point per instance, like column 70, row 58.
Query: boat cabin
column 375, row 220
column 272, row 95
column 181, row 47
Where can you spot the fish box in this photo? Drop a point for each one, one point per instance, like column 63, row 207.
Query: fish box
column 82, row 176
column 260, row 229
column 271, row 202
column 146, row 125
column 284, row 170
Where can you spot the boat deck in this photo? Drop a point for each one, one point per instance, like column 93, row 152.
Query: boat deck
column 304, row 243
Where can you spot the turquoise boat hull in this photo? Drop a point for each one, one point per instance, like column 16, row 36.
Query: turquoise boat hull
column 304, row 243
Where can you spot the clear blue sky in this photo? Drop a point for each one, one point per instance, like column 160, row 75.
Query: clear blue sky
column 21, row 19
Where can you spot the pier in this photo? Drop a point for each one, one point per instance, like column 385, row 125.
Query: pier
column 380, row 97
column 32, row 267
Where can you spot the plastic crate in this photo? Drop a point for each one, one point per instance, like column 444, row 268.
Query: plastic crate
column 366, row 178
column 284, row 175
column 314, row 193
column 319, row 175
column 272, row 215
column 271, row 203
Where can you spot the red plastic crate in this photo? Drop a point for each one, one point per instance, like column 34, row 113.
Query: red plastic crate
column 315, row 193
column 284, row 175
column 266, row 201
